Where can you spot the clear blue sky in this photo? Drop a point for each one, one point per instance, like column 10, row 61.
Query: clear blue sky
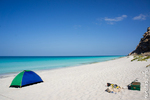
column 72, row 27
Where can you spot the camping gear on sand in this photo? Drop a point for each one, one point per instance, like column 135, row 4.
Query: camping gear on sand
column 25, row 78
column 113, row 88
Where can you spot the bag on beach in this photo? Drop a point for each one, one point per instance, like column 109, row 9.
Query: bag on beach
column 134, row 85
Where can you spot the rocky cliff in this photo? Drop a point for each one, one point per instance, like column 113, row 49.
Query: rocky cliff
column 144, row 46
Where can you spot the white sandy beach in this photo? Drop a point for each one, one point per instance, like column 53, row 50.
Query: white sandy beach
column 86, row 82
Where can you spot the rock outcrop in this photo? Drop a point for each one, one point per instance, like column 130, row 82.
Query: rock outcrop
column 144, row 46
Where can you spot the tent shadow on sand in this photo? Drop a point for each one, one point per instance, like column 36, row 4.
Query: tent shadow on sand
column 26, row 78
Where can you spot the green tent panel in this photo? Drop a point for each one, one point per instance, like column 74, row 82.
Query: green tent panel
column 25, row 78
column 17, row 80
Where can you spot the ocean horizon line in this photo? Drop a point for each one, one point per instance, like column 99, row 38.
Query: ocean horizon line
column 67, row 56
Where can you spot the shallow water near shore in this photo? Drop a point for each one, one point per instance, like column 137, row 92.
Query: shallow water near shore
column 10, row 65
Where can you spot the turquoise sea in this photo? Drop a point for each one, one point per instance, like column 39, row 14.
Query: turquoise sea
column 15, row 64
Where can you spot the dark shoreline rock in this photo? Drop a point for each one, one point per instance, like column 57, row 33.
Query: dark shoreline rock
column 143, row 47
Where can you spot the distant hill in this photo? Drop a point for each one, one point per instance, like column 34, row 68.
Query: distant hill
column 143, row 47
